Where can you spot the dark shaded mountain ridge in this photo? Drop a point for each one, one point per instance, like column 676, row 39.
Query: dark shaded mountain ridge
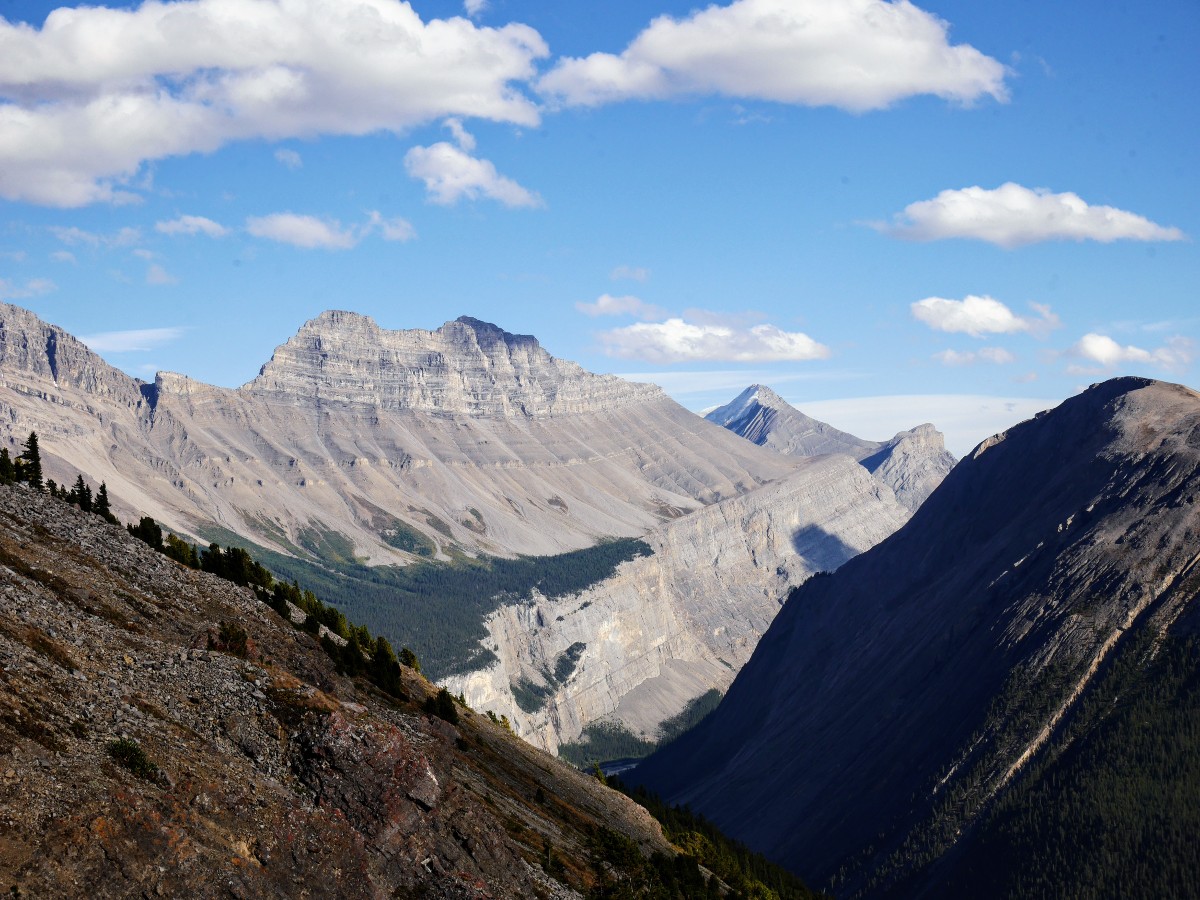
column 891, row 704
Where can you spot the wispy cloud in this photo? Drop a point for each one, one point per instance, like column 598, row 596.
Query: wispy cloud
column 74, row 236
column 158, row 276
column 315, row 233
column 136, row 340
column 1012, row 216
column 995, row 355
column 629, row 273
column 189, row 225
column 608, row 305
column 964, row 419
column 34, row 287
column 288, row 158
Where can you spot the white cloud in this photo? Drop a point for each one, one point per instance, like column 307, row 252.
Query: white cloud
column 140, row 339
column 34, row 287
column 978, row 316
column 157, row 275
column 63, row 256
column 192, row 225
column 608, row 305
column 14, row 255
column 676, row 340
column 630, row 273
column 853, row 54
column 395, row 229
column 307, row 232
column 1106, row 354
column 995, row 355
column 143, row 253
column 474, row 7
column 451, row 175
column 1012, row 216
column 462, row 137
column 312, row 232
column 95, row 92
column 289, row 158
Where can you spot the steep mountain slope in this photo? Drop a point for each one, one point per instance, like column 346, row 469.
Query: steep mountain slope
column 890, row 704
column 136, row 760
column 399, row 442
column 912, row 463
column 667, row 627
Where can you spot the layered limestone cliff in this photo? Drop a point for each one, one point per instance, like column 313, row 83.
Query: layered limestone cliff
column 668, row 627
column 466, row 438
column 912, row 464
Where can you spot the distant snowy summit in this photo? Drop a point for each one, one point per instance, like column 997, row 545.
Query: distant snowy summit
column 912, row 463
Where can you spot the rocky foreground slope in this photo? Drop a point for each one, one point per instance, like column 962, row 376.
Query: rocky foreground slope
column 912, row 463
column 265, row 774
column 405, row 444
column 667, row 627
column 892, row 705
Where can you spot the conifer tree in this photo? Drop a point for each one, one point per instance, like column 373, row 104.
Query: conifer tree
column 102, row 508
column 31, row 463
column 8, row 469
column 81, row 494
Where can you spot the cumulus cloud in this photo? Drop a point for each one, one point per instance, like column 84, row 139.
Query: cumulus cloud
column 140, row 339
column 1012, row 216
column 608, row 305
column 289, row 158
column 95, row 92
column 474, row 7
column 853, row 54
column 307, row 232
column 629, row 273
column 978, row 316
column 451, row 174
column 1104, row 354
column 995, row 355
column 677, row 340
column 192, row 225
column 34, row 287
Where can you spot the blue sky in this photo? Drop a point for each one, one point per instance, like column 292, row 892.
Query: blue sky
column 890, row 213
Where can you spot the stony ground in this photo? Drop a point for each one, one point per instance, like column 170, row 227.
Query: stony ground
column 266, row 775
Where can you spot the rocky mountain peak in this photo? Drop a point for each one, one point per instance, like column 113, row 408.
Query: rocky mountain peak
column 466, row 366
column 912, row 463
column 34, row 353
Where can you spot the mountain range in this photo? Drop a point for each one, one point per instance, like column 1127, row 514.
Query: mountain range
column 364, row 458
column 909, row 724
